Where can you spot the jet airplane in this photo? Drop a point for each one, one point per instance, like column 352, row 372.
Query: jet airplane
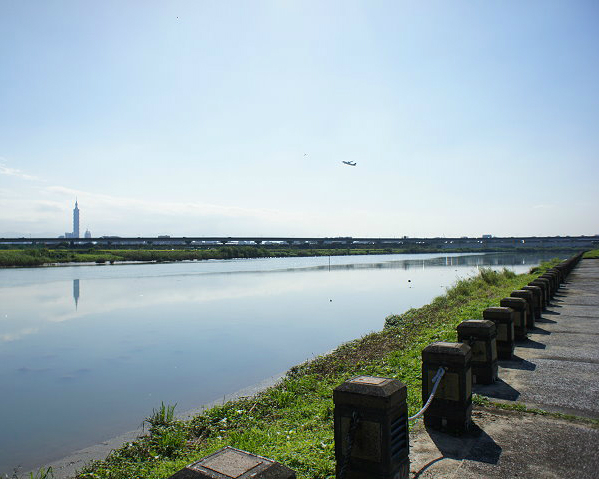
column 349, row 163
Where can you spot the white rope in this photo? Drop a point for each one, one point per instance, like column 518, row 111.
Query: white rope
column 436, row 381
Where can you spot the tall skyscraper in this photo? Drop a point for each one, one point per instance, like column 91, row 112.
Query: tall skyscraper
column 76, row 221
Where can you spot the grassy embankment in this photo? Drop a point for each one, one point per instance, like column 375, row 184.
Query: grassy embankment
column 293, row 421
column 593, row 254
column 38, row 256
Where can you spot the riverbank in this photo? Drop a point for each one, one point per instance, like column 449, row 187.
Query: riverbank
column 292, row 422
column 41, row 256
column 541, row 418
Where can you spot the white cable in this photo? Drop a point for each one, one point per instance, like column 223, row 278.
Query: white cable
column 436, row 381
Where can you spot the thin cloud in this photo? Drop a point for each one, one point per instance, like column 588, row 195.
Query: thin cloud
column 165, row 208
column 5, row 170
column 10, row 337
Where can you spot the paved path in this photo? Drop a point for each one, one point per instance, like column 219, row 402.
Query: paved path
column 556, row 369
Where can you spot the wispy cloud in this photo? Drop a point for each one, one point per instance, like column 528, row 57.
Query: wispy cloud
column 5, row 170
column 170, row 208
column 9, row 337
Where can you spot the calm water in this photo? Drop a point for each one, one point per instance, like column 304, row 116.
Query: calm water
column 86, row 352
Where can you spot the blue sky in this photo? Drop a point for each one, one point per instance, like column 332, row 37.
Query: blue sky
column 195, row 118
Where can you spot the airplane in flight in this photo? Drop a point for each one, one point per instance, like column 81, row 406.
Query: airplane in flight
column 349, row 163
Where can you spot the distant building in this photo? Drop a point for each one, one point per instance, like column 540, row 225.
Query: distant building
column 88, row 234
column 76, row 221
column 487, row 236
column 75, row 233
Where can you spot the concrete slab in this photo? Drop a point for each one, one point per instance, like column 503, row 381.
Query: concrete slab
column 507, row 444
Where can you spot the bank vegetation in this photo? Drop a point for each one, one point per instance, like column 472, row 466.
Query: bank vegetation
column 32, row 256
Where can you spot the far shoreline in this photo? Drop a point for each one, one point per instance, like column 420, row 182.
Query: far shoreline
column 50, row 258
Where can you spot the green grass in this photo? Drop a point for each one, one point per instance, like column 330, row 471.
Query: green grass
column 29, row 256
column 520, row 407
column 293, row 421
column 593, row 254
column 162, row 417
column 42, row 473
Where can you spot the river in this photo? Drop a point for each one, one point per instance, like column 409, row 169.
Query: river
column 86, row 352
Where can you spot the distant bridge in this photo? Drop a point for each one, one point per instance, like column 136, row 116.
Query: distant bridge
column 582, row 242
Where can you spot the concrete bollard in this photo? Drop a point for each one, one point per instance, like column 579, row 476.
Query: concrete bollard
column 560, row 277
column 519, row 306
column 544, row 285
column 562, row 271
column 504, row 322
column 537, row 294
column 553, row 280
column 481, row 336
column 451, row 408
column 229, row 462
column 549, row 281
column 371, row 429
column 530, row 305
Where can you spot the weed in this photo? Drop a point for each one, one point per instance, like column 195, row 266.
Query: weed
column 42, row 473
column 490, row 276
column 162, row 417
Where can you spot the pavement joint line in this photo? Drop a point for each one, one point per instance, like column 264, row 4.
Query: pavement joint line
column 572, row 360
column 556, row 331
column 578, row 305
column 505, row 406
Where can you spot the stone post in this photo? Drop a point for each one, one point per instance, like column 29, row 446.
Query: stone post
column 530, row 305
column 537, row 293
column 371, row 429
column 451, row 408
column 544, row 285
column 504, row 322
column 481, row 336
column 553, row 280
column 519, row 306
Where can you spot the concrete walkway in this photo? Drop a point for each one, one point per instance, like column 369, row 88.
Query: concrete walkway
column 555, row 369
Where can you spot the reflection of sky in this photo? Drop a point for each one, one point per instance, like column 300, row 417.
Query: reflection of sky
column 88, row 357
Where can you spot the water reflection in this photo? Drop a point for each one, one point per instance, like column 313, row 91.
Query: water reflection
column 183, row 333
column 76, row 292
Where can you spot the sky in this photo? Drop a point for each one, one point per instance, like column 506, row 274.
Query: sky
column 212, row 118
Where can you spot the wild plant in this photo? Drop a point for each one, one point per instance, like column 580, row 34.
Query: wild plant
column 162, row 417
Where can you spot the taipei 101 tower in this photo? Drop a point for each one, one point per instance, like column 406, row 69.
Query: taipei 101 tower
column 76, row 221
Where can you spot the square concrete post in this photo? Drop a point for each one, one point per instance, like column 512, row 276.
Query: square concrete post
column 519, row 306
column 530, row 305
column 371, row 429
column 481, row 336
column 234, row 463
column 537, row 294
column 560, row 275
column 451, row 408
column 553, row 280
column 504, row 321
column 545, row 285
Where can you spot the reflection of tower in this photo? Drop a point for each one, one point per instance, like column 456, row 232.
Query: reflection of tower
column 76, row 221
column 76, row 291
